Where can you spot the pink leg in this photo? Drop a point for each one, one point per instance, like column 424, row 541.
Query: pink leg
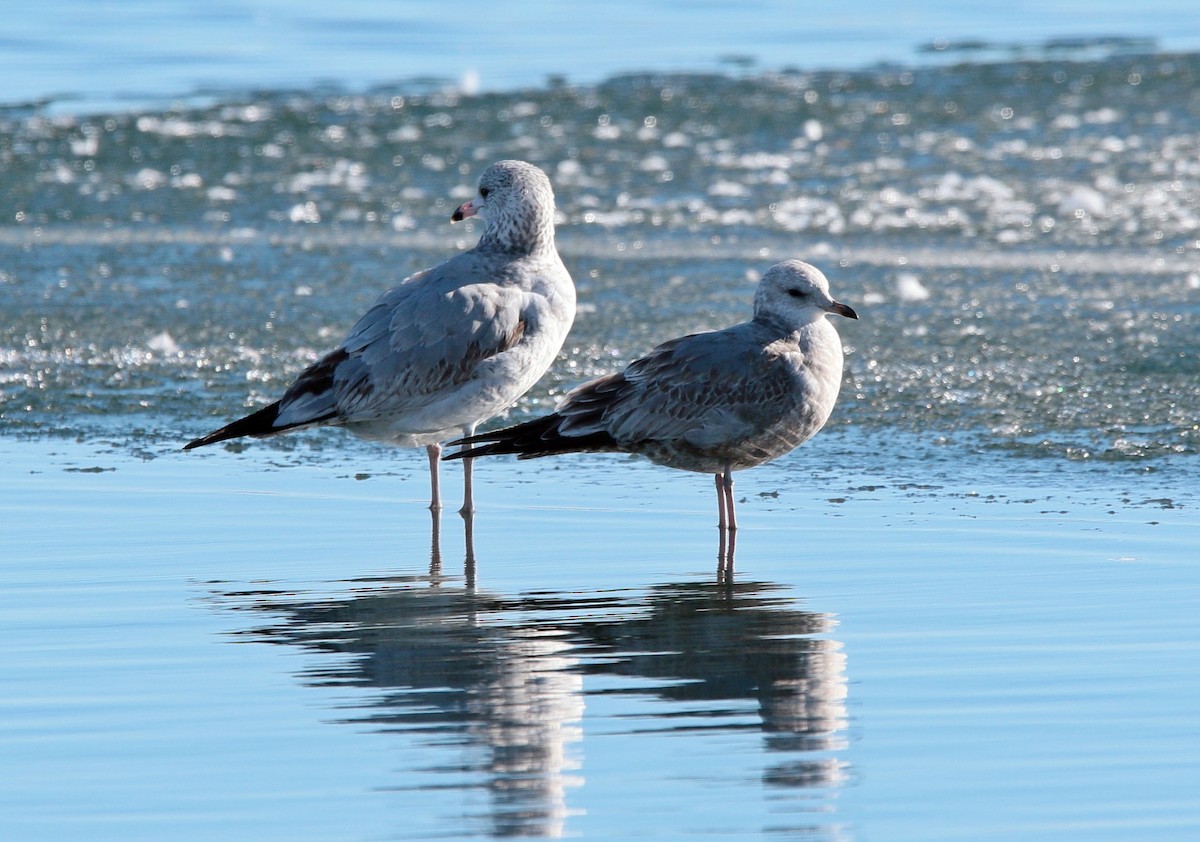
column 434, row 451
column 468, row 506
column 728, row 486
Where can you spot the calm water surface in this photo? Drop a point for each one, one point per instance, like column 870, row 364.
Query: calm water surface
column 233, row 647
column 81, row 56
column 965, row 611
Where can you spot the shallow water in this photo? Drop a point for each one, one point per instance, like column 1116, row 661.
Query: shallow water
column 233, row 646
column 963, row 611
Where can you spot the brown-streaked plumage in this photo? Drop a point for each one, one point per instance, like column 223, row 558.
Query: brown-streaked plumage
column 713, row 402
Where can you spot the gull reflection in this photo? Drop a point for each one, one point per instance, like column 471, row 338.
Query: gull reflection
column 727, row 642
column 435, row 548
column 725, row 550
column 444, row 664
column 495, row 686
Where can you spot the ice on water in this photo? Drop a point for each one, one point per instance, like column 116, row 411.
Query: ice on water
column 1017, row 195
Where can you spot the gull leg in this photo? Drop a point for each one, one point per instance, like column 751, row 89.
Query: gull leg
column 727, row 524
column 720, row 505
column 434, row 451
column 728, row 484
column 468, row 506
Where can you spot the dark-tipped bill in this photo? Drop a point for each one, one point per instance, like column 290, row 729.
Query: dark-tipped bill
column 843, row 310
column 463, row 211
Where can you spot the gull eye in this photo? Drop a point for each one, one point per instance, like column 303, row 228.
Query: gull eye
column 795, row 293
column 483, row 191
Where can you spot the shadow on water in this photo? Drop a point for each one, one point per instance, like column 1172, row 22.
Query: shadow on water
column 493, row 687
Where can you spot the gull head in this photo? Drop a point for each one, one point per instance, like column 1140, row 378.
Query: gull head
column 516, row 203
column 794, row 294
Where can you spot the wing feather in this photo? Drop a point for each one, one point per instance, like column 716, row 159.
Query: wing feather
column 418, row 340
column 701, row 390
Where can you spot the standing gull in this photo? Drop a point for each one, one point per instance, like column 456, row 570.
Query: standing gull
column 450, row 346
column 709, row 402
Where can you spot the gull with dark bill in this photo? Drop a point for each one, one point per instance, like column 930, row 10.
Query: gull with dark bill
column 450, row 346
column 713, row 402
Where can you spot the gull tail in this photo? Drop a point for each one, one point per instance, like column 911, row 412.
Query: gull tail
column 261, row 423
column 539, row 437
column 309, row 402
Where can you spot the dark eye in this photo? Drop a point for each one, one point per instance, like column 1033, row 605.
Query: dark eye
column 483, row 191
column 795, row 293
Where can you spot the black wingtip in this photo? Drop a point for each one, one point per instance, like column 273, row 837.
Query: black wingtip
column 516, row 439
column 532, row 440
column 482, row 444
column 261, row 423
column 468, row 453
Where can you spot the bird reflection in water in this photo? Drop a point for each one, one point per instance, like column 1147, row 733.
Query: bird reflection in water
column 497, row 684
column 725, row 549
column 435, row 548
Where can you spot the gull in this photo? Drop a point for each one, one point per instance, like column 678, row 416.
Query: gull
column 713, row 402
column 449, row 347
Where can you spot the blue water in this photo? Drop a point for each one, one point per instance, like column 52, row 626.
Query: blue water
column 227, row 647
column 89, row 55
column 964, row 611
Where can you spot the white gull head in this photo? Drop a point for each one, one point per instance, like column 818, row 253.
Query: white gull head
column 793, row 294
column 516, row 203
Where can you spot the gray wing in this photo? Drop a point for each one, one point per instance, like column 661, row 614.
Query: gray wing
column 419, row 340
column 704, row 390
